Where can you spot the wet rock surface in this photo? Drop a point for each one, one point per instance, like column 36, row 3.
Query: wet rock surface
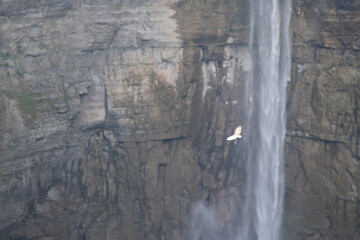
column 114, row 115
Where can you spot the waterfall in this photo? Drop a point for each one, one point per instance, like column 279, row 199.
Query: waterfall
column 264, row 130
column 269, row 46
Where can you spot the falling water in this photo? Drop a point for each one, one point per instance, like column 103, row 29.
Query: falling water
column 269, row 46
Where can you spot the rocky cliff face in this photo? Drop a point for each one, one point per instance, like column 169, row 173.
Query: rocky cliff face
column 323, row 124
column 109, row 113
column 114, row 114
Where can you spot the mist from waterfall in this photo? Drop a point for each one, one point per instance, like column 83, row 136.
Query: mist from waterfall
column 269, row 45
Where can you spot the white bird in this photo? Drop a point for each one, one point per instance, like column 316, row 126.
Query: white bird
column 236, row 135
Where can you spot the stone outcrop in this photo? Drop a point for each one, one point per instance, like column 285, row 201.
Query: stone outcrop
column 114, row 114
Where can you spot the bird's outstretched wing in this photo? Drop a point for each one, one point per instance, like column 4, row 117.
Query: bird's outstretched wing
column 231, row 138
column 238, row 131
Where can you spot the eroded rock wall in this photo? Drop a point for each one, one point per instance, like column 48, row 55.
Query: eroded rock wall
column 114, row 114
column 110, row 111
column 322, row 150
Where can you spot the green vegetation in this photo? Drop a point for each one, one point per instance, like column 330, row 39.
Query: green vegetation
column 4, row 64
column 239, row 15
column 3, row 61
column 237, row 12
column 2, row 111
column 4, row 180
column 27, row 104
column 4, row 56
column 117, row 6
column 2, row 119
column 20, row 73
column 66, row 95
column 50, row 103
column 166, row 98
